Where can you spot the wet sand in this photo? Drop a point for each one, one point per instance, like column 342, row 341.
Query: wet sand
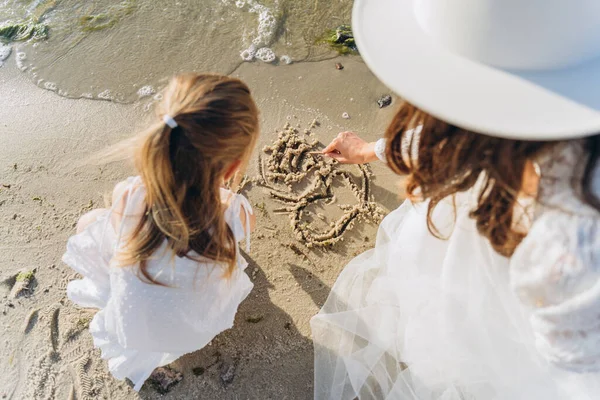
column 44, row 187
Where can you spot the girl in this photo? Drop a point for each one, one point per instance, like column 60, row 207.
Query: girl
column 162, row 265
column 485, row 284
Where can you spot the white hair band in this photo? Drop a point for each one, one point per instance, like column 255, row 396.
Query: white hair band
column 170, row 121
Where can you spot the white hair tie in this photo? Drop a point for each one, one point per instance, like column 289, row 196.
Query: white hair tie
column 170, row 121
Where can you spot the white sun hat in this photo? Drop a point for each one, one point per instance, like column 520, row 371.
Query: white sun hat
column 519, row 69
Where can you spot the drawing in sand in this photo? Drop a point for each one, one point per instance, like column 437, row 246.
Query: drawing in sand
column 298, row 176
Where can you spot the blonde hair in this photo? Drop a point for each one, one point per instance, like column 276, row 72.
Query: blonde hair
column 182, row 169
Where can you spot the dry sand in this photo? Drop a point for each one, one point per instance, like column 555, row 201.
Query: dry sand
column 46, row 351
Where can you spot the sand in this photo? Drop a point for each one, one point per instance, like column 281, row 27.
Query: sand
column 46, row 351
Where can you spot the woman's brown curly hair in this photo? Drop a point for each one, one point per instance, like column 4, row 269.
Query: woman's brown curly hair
column 445, row 159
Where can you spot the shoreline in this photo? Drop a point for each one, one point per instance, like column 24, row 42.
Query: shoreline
column 268, row 353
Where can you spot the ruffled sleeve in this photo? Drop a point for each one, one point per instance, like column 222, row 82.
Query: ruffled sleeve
column 89, row 253
column 556, row 273
column 237, row 204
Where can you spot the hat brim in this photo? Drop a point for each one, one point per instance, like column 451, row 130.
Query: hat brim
column 549, row 105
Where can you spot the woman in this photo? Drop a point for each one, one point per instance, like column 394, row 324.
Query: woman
column 485, row 284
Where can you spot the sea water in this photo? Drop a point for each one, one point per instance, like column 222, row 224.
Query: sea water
column 122, row 50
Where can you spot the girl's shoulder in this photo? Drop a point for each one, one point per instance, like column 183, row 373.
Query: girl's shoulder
column 130, row 190
column 127, row 205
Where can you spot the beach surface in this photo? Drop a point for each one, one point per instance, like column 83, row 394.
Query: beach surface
column 46, row 184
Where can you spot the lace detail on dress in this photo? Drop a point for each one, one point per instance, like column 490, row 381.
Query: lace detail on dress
column 556, row 269
column 562, row 169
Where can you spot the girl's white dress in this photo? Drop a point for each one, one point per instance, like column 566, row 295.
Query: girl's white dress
column 141, row 326
column 422, row 318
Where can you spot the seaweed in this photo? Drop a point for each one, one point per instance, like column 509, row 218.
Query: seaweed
column 105, row 20
column 17, row 32
column 23, row 284
column 341, row 39
column 25, row 276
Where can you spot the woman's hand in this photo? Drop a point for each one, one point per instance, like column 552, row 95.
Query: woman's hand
column 348, row 148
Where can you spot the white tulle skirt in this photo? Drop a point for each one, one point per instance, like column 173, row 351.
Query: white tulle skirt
column 423, row 318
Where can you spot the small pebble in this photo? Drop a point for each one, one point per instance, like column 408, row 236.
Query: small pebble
column 254, row 319
column 345, row 115
column 339, row 66
column 227, row 373
column 164, row 378
column 384, row 101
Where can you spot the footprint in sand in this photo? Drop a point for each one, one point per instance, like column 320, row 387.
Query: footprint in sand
column 30, row 321
column 69, row 368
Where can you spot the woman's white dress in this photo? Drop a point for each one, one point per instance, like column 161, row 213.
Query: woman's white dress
column 422, row 318
column 141, row 326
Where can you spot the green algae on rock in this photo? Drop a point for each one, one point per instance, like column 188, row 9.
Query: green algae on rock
column 31, row 26
column 97, row 22
column 24, row 284
column 25, row 276
column 15, row 32
column 341, row 39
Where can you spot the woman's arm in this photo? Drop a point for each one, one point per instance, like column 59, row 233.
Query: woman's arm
column 554, row 272
column 349, row 148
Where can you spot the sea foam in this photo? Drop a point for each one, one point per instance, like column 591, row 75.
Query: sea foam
column 21, row 57
column 268, row 23
column 146, row 91
column 265, row 54
column 5, row 51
